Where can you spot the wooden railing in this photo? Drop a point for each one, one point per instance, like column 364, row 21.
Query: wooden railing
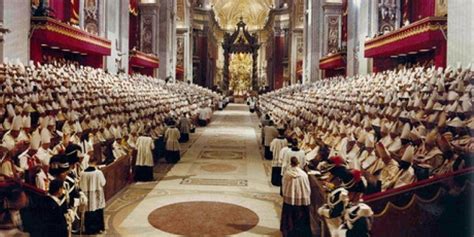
column 424, row 208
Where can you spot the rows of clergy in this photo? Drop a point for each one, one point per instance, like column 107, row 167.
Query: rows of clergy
column 389, row 124
column 46, row 107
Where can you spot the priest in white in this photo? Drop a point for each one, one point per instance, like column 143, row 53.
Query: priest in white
column 276, row 146
column 144, row 163
column 296, row 200
column 92, row 184
column 172, row 135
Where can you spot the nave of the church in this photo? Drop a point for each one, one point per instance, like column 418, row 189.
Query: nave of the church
column 293, row 118
column 220, row 187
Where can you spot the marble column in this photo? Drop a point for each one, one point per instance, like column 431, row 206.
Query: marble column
column 184, row 46
column 167, row 45
column 15, row 16
column 357, row 31
column 2, row 28
column 460, row 32
column 262, row 65
column 279, row 47
column 188, row 57
column 313, row 39
column 102, row 15
column 81, row 14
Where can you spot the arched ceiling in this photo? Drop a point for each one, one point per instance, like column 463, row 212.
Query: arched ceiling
column 254, row 13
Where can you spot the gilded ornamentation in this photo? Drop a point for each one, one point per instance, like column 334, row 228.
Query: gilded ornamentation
column 441, row 8
column 254, row 13
column 240, row 73
column 415, row 29
column 49, row 24
column 240, row 41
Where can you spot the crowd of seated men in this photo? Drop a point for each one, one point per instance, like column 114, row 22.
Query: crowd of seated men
column 393, row 128
column 58, row 119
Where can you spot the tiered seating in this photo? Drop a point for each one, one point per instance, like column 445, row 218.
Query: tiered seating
column 399, row 141
column 396, row 127
column 46, row 108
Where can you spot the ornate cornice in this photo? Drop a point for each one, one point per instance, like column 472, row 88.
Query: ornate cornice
column 143, row 56
column 422, row 26
column 50, row 24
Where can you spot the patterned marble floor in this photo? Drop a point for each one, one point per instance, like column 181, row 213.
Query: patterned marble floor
column 221, row 163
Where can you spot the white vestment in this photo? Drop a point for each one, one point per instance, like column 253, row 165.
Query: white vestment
column 276, row 146
column 172, row 139
column 287, row 157
column 295, row 187
column 145, row 146
column 92, row 184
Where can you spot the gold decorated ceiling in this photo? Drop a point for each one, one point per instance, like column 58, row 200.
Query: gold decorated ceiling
column 254, row 12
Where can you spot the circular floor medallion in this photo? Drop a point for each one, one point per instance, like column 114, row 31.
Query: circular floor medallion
column 225, row 155
column 203, row 219
column 215, row 168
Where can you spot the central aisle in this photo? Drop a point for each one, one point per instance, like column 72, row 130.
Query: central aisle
column 220, row 186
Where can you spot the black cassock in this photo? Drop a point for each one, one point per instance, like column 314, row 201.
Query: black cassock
column 53, row 221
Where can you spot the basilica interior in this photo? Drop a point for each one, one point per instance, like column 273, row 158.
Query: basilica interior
column 293, row 118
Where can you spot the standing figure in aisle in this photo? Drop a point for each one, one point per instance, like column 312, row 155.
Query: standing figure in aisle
column 184, row 125
column 172, row 135
column 92, row 184
column 252, row 104
column 295, row 221
column 202, row 116
column 276, row 146
column 293, row 152
column 270, row 132
column 144, row 163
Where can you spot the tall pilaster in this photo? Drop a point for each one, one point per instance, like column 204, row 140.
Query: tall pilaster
column 184, row 46
column 16, row 44
column 116, row 30
column 460, row 32
column 313, row 39
column 358, row 13
column 167, row 45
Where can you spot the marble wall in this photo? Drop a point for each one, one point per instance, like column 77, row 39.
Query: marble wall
column 16, row 44
column 460, row 32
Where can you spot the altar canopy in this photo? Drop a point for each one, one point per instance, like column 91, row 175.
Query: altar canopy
column 241, row 41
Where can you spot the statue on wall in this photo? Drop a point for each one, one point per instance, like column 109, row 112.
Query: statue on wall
column 333, row 34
